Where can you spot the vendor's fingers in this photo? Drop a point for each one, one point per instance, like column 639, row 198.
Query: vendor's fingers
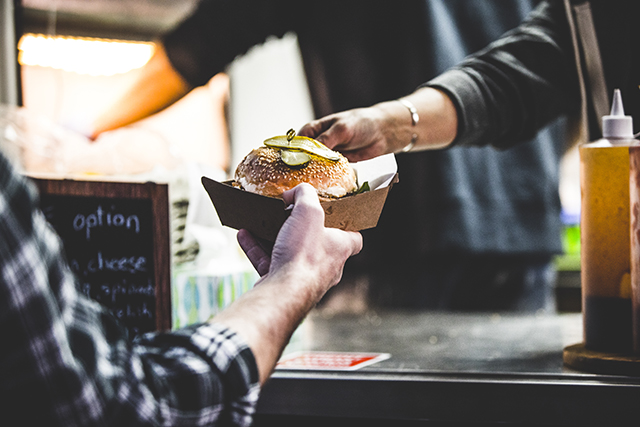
column 366, row 153
column 259, row 256
column 328, row 130
column 316, row 127
column 336, row 136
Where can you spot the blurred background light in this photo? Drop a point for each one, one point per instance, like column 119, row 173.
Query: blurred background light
column 95, row 57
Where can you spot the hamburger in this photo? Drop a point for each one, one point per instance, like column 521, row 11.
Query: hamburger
column 286, row 161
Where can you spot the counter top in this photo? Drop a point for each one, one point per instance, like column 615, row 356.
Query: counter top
column 448, row 367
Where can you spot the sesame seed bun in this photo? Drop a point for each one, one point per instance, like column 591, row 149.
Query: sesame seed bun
column 262, row 171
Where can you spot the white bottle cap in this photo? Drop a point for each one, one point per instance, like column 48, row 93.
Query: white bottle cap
column 617, row 125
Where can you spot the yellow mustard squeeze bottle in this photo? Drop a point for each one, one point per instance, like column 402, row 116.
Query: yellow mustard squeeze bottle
column 605, row 239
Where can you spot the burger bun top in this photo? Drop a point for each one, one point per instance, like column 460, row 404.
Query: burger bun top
column 262, row 171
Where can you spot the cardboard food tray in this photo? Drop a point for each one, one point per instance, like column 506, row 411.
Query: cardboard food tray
column 263, row 216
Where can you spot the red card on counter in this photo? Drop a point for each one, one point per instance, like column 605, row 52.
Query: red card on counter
column 329, row 360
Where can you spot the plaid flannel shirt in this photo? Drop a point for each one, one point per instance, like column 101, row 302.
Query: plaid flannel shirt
column 65, row 361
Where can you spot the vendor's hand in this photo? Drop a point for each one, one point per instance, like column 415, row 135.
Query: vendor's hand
column 359, row 134
column 388, row 127
column 304, row 247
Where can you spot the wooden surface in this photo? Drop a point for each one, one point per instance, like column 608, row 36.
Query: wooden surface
column 578, row 357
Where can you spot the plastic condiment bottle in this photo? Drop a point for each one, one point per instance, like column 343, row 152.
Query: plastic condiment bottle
column 634, row 199
column 605, row 241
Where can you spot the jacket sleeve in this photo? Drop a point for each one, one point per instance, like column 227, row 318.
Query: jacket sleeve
column 508, row 91
column 218, row 31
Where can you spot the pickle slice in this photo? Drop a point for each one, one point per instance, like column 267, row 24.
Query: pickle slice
column 294, row 158
column 302, row 143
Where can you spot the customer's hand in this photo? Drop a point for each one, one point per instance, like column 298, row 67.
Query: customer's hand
column 306, row 260
column 304, row 248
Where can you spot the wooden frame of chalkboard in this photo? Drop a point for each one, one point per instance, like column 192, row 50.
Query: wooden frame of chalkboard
column 120, row 206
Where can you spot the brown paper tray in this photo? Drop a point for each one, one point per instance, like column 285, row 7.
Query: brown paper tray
column 263, row 216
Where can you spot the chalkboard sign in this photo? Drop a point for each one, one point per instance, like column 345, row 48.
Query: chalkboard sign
column 116, row 238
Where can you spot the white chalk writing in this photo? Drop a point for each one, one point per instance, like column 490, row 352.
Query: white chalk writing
column 102, row 218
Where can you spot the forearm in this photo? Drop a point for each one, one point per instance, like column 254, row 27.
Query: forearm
column 267, row 316
column 436, row 126
column 157, row 86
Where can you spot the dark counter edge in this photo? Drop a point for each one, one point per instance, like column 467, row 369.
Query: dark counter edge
column 531, row 399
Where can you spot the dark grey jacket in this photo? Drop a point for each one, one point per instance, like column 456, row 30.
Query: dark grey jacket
column 508, row 91
column 358, row 52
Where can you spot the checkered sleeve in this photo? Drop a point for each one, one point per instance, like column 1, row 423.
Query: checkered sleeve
column 65, row 361
column 209, row 366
